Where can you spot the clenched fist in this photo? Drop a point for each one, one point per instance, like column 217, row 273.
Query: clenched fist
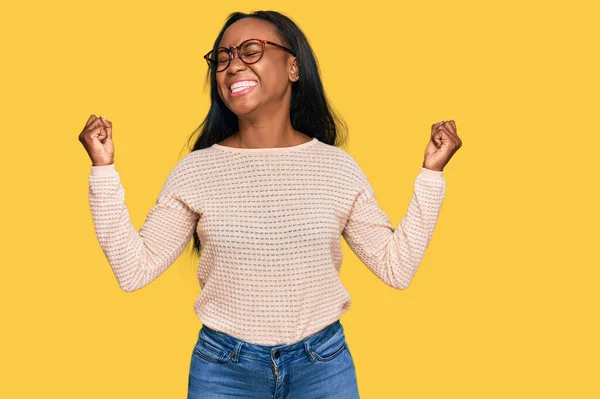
column 96, row 138
column 443, row 143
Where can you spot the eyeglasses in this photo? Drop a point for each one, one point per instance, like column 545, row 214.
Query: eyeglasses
column 249, row 51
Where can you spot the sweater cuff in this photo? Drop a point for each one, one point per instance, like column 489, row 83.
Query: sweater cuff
column 103, row 170
column 429, row 174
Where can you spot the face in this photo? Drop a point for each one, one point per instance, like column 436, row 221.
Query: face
column 273, row 73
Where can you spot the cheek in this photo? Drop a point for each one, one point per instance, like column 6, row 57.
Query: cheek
column 223, row 92
column 274, row 82
column 220, row 87
column 222, row 95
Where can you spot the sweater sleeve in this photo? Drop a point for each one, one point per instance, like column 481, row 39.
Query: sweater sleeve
column 137, row 258
column 394, row 254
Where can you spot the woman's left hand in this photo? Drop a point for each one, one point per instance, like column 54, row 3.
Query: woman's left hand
column 444, row 142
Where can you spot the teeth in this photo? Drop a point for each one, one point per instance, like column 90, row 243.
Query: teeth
column 237, row 86
column 239, row 89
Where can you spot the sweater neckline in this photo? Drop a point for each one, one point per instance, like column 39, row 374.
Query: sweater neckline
column 266, row 150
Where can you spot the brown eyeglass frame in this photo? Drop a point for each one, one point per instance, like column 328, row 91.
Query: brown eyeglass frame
column 230, row 51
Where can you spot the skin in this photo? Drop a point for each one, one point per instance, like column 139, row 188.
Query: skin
column 264, row 113
column 442, row 145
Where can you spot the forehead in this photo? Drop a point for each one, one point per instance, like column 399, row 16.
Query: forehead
column 248, row 28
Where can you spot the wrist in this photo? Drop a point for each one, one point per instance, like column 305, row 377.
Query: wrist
column 434, row 169
column 103, row 170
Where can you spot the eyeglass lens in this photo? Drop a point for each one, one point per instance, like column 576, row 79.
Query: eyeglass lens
column 250, row 53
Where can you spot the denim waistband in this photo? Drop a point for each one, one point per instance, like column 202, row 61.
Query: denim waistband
column 269, row 353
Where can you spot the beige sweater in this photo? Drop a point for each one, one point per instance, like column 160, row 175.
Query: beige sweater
column 269, row 222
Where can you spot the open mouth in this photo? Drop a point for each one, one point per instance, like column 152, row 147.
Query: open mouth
column 242, row 87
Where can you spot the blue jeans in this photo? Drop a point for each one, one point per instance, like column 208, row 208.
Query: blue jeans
column 318, row 366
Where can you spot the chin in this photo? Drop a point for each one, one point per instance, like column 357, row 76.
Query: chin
column 243, row 109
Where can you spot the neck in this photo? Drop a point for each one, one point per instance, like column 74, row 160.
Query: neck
column 273, row 128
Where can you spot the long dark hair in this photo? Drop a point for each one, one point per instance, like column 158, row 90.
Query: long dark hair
column 310, row 111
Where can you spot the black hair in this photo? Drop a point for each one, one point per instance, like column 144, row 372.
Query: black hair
column 310, row 111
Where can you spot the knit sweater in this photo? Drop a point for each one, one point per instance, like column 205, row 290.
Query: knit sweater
column 269, row 222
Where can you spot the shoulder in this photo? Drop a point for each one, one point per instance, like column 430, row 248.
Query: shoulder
column 340, row 156
column 336, row 154
column 192, row 167
column 345, row 165
column 195, row 161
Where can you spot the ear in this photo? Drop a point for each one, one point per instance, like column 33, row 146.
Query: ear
column 294, row 74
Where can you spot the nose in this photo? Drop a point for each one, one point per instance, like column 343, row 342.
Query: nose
column 236, row 63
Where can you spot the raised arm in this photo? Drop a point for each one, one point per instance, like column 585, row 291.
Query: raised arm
column 394, row 254
column 137, row 258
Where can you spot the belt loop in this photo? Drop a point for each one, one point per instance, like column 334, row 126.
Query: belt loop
column 236, row 351
column 308, row 351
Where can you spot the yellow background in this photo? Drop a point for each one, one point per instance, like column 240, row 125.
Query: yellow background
column 505, row 303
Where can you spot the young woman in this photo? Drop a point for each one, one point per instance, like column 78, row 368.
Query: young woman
column 266, row 194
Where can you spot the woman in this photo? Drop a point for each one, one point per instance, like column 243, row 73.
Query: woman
column 267, row 195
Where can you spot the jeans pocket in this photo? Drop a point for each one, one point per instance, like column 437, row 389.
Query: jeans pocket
column 211, row 350
column 332, row 348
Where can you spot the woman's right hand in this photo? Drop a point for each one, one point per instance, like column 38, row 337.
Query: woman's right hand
column 96, row 138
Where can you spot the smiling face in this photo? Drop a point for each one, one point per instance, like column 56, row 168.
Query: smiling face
column 269, row 79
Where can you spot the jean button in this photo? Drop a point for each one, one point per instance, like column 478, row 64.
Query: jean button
column 276, row 355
